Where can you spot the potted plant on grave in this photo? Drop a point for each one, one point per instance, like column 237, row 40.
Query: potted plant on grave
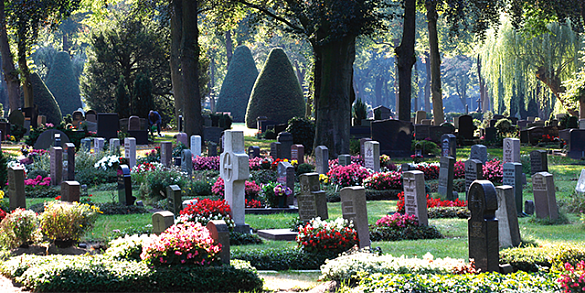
column 65, row 223
column 276, row 194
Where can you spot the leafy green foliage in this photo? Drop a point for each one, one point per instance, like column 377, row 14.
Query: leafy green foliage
column 280, row 259
column 62, row 83
column 142, row 100
column 47, row 105
column 303, row 132
column 237, row 238
column 277, row 93
column 109, row 208
column 122, row 98
column 359, row 111
column 238, row 83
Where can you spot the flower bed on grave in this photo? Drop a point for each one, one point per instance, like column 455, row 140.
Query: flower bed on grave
column 397, row 227
column 438, row 208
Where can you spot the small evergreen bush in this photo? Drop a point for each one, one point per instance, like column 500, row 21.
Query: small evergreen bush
column 303, row 132
column 63, row 84
column 47, row 105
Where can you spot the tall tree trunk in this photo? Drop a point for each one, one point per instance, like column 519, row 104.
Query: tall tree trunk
column 175, row 58
column 190, row 69
column 428, row 83
column 378, row 90
column 212, row 84
column 229, row 46
column 27, row 89
column 66, row 46
column 483, row 104
column 432, row 16
column 10, row 73
column 416, row 81
column 333, row 86
column 553, row 82
column 405, row 60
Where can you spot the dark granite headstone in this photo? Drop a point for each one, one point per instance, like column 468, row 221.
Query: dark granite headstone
column 253, row 152
column 91, row 116
column 286, row 142
column 70, row 191
column 466, row 127
column 276, row 150
column 382, row 113
column 512, row 175
column 473, row 171
column 125, row 196
column 446, row 174
column 322, row 159
column 16, row 192
column 449, row 146
column 70, row 174
column 312, row 201
column 538, row 161
column 186, row 161
column 220, row 233
column 211, row 149
column 297, row 152
column 107, row 125
column 422, row 132
column 47, row 139
column 354, row 209
column 286, row 176
column 134, row 123
column 483, row 226
column 175, row 199
column 56, row 161
column 166, row 153
column 576, row 144
column 478, row 152
column 490, row 134
column 212, row 133
column 394, row 136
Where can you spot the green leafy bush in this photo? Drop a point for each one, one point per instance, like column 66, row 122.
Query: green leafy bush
column 198, row 187
column 397, row 227
column 448, row 212
column 280, row 259
column 61, row 273
column 110, row 208
column 304, row 168
column 126, row 248
column 63, row 84
column 66, row 221
column 528, row 259
column 237, row 238
column 359, row 111
column 157, row 181
column 19, row 228
column 303, row 132
column 428, row 147
column 264, row 176
column 277, row 93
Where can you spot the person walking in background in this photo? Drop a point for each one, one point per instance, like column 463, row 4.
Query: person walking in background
column 154, row 120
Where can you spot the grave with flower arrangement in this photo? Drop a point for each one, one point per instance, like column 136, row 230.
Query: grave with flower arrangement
column 415, row 196
column 312, row 201
column 297, row 153
column 286, row 176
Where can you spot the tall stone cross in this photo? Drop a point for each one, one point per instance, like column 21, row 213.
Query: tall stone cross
column 234, row 170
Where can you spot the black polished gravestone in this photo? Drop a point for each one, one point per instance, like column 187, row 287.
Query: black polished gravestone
column 538, row 161
column 466, row 127
column 483, row 226
column 125, row 186
column 108, row 125
column 394, row 136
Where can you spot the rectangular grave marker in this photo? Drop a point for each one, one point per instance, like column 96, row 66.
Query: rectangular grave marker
column 512, row 175
column 220, row 234
column 482, row 226
column 362, row 143
column 473, row 171
column 253, row 152
column 449, row 145
column 446, row 174
column 286, row 176
column 538, row 161
column 56, row 165
column 166, row 153
column 312, row 201
column 511, row 150
column 372, row 155
column 545, row 201
column 353, row 208
column 175, row 199
column 70, row 191
column 16, row 188
column 70, row 174
column 581, row 183
column 509, row 232
column 297, row 152
column 344, row 160
column 125, row 196
column 276, row 150
column 196, row 145
column 98, row 145
column 479, row 152
column 286, row 142
column 115, row 146
column 130, row 151
column 322, row 159
column 161, row 221
column 415, row 196
column 186, row 161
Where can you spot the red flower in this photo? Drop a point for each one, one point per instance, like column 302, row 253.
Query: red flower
column 58, row 198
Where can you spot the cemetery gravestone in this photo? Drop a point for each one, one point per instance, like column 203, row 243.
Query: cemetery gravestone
column 98, row 145
column 581, row 183
column 85, row 144
column 70, row 191
column 473, row 171
column 134, row 123
column 353, row 207
column 446, row 174
column 211, row 149
column 511, row 150
column 466, row 127
column 130, row 151
column 509, row 232
column 322, row 159
column 479, row 152
column 107, row 125
column 394, row 136
column 512, row 175
column 545, row 201
column 70, row 174
column 220, row 234
column 344, row 160
column 125, row 196
column 286, row 142
column 529, row 206
column 312, row 201
column 166, row 153
column 490, row 134
column 286, row 176
column 183, row 138
column 449, row 145
column 415, row 196
column 538, row 161
column 16, row 188
column 420, row 115
column 362, row 146
column 235, row 169
column 196, row 145
column 57, row 140
column 483, row 226
column 276, row 150
column 56, row 165
column 115, row 146
column 47, row 139
column 372, row 155
column 253, row 152
column 186, row 161
column 175, row 200
column 161, row 221
column 297, row 152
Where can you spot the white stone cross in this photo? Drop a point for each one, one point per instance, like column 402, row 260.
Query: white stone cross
column 235, row 169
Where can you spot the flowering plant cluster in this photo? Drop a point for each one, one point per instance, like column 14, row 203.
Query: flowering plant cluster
column 459, row 170
column 188, row 243
column 354, row 159
column 153, row 155
column 256, row 163
column 324, row 179
column 493, row 171
column 66, row 221
column 30, row 154
column 274, row 163
column 146, row 167
column 351, row 175
column 19, row 228
column 107, row 162
column 397, row 221
column 333, row 237
column 281, row 190
column 252, row 203
column 252, row 189
column 383, row 181
column 431, row 170
column 573, row 278
column 549, row 138
column 206, row 163
column 206, row 210
column 431, row 203
column 39, row 181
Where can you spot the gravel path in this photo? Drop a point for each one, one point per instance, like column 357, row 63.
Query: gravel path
column 6, row 286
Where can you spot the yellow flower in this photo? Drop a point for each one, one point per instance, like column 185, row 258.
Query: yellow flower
column 12, row 138
column 294, row 162
column 323, row 178
column 1, row 194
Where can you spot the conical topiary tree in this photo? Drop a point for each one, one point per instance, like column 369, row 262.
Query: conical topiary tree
column 62, row 83
column 277, row 93
column 237, row 85
column 44, row 100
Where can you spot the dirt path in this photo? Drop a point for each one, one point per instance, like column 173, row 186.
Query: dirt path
column 6, row 286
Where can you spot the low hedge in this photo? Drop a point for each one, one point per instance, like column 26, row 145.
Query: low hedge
column 448, row 212
column 533, row 259
column 61, row 273
column 280, row 259
column 381, row 233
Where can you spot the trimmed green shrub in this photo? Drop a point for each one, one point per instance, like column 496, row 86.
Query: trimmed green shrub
column 277, row 93
column 109, row 208
column 237, row 85
column 263, row 176
column 528, row 259
column 280, row 259
column 126, row 248
column 359, row 111
column 237, row 238
column 303, row 132
column 62, row 83
column 142, row 99
column 44, row 100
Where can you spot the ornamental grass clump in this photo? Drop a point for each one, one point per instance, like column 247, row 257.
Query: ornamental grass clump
column 383, row 181
column 66, row 221
column 327, row 237
column 206, row 210
column 19, row 228
column 182, row 244
column 351, row 175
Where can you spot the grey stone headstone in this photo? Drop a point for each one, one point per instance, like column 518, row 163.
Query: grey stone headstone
column 372, row 155
column 166, row 153
column 344, row 160
column 85, row 144
column 115, row 146
column 98, row 145
column 353, row 208
column 130, row 151
column 183, row 138
column 286, row 176
column 186, row 161
column 511, row 151
column 322, row 159
column 162, row 221
column 483, row 226
column 16, row 191
column 211, row 149
column 134, row 123
column 420, row 115
column 276, row 150
column 175, row 199
column 253, row 152
column 529, row 206
column 509, row 232
column 362, row 143
column 196, row 145
column 56, row 165
column 235, row 170
column 220, row 234
column 70, row 191
column 407, row 167
column 47, row 139
column 545, row 201
column 538, row 161
column 125, row 196
column 187, row 203
column 473, row 171
column 446, row 174
column 297, row 152
column 479, row 152
column 415, row 196
column 449, row 145
column 70, row 174
column 512, row 175
column 312, row 201
column 581, row 183
column 286, row 142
